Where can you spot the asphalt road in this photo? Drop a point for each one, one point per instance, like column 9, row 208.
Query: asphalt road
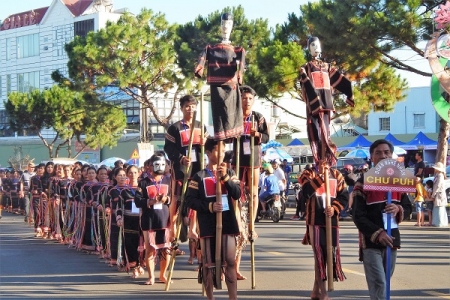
column 32, row 268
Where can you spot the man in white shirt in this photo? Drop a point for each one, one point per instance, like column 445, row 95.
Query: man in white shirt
column 279, row 173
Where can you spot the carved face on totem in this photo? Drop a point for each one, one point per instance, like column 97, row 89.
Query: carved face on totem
column 314, row 47
column 226, row 26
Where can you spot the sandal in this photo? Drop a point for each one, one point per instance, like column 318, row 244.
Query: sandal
column 150, row 282
column 190, row 261
column 239, row 276
column 179, row 252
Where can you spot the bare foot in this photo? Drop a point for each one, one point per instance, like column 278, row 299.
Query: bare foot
column 151, row 281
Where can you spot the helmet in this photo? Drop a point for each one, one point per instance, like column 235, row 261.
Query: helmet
column 275, row 161
column 364, row 167
column 349, row 168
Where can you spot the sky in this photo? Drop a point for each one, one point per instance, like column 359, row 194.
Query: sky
column 183, row 11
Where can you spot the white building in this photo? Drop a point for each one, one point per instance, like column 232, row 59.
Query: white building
column 416, row 113
column 32, row 43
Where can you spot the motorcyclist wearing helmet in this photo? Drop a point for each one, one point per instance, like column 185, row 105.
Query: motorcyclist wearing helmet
column 279, row 174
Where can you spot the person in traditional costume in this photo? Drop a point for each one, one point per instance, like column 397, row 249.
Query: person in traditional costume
column 225, row 66
column 318, row 79
column 45, row 199
column 69, row 228
column 176, row 145
column 316, row 213
column 128, row 217
column 36, row 194
column 101, row 221
column 153, row 198
column 368, row 210
column 114, row 197
column 24, row 191
column 87, row 242
column 55, row 203
column 201, row 195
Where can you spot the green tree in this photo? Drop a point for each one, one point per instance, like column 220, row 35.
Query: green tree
column 136, row 54
column 70, row 114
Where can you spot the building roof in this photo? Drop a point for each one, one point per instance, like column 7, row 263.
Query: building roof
column 77, row 7
column 24, row 18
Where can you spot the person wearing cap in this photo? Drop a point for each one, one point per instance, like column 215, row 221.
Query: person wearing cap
column 269, row 189
column 225, row 66
column 279, row 174
column 439, row 196
column 368, row 210
column 24, row 191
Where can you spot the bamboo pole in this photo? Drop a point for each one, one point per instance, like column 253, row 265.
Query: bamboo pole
column 218, row 222
column 251, row 224
column 326, row 175
column 202, row 161
column 180, row 209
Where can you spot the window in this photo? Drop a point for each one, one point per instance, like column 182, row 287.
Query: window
column 385, row 124
column 8, row 84
column 28, row 45
column 9, row 44
column 419, row 120
column 27, row 82
column 82, row 28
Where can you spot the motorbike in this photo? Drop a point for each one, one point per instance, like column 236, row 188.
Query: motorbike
column 275, row 208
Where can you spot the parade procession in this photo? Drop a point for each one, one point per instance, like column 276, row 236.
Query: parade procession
column 200, row 199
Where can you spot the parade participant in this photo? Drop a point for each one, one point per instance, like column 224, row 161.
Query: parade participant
column 100, row 192
column 6, row 184
column 114, row 197
column 14, row 191
column 72, row 207
column 318, row 79
column 368, row 209
column 45, row 209
column 202, row 196
column 128, row 217
column 225, row 66
column 2, row 177
column 152, row 196
column 87, row 242
column 54, row 203
column 24, row 191
column 176, row 145
column 316, row 213
column 258, row 129
column 36, row 194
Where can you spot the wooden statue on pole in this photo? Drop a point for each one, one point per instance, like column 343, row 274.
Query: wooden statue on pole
column 318, row 81
column 225, row 66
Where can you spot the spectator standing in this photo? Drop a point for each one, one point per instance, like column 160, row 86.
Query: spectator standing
column 439, row 195
column 418, row 202
column 287, row 171
column 419, row 166
column 429, row 201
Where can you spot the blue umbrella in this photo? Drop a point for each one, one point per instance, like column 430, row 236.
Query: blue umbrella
column 109, row 162
column 133, row 161
column 362, row 153
column 276, row 153
column 271, row 144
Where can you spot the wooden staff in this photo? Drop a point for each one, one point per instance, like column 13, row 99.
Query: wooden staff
column 180, row 209
column 251, row 224
column 219, row 221
column 328, row 221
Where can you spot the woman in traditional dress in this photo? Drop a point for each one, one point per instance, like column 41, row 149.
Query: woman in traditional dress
column 45, row 208
column 152, row 196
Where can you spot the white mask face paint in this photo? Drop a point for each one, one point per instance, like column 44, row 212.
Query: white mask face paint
column 159, row 166
column 226, row 27
column 314, row 48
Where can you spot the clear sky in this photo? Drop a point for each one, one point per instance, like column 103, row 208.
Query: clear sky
column 182, row 11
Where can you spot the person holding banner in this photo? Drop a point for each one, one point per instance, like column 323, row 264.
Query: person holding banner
column 316, row 213
column 201, row 194
column 368, row 210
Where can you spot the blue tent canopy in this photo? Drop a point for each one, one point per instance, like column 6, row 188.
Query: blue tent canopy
column 271, row 144
column 295, row 142
column 420, row 140
column 359, row 142
column 393, row 140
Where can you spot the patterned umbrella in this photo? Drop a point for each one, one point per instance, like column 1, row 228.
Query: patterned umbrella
column 109, row 162
column 362, row 153
column 276, row 153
